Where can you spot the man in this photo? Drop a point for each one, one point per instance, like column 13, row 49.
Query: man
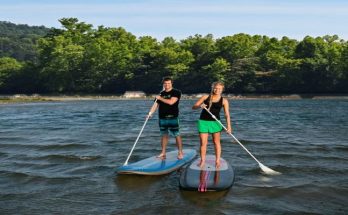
column 168, row 111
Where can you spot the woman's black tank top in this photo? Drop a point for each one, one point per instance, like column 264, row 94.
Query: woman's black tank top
column 215, row 109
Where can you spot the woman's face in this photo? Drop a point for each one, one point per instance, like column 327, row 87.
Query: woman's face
column 217, row 89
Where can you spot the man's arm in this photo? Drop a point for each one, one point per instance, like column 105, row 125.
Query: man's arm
column 170, row 101
column 153, row 109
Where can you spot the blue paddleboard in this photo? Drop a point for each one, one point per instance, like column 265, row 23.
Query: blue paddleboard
column 158, row 166
column 207, row 178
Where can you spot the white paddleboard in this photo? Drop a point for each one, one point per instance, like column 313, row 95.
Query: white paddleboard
column 207, row 178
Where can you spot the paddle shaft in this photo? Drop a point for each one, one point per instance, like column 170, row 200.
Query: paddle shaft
column 233, row 136
column 141, row 131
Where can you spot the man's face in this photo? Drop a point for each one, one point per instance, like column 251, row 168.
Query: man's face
column 167, row 85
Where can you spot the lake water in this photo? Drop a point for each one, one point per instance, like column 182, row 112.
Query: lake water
column 61, row 157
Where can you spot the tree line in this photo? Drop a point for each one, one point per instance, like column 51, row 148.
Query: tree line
column 81, row 59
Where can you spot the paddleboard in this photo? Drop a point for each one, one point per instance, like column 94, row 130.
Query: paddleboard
column 158, row 166
column 207, row 178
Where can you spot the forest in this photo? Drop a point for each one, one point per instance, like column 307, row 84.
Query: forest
column 78, row 58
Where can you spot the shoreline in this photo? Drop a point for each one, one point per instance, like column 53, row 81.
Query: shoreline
column 22, row 98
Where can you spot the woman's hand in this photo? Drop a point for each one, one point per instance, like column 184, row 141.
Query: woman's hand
column 199, row 103
column 229, row 130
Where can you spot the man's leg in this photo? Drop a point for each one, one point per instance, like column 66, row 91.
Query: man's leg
column 174, row 130
column 164, row 142
column 179, row 144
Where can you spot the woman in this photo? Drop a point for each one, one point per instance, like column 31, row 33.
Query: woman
column 208, row 125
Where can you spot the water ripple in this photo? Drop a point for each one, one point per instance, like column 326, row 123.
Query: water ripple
column 61, row 157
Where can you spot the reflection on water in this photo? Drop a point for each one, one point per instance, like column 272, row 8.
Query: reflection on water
column 136, row 182
column 204, row 199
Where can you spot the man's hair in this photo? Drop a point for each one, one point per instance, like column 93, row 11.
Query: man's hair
column 167, row 78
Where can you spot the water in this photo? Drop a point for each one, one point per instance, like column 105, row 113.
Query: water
column 61, row 157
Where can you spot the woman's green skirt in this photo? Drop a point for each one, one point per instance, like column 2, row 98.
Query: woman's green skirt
column 205, row 126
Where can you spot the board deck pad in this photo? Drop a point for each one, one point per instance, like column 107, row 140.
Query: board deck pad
column 158, row 166
column 207, row 178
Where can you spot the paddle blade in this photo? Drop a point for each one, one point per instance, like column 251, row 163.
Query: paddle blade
column 268, row 170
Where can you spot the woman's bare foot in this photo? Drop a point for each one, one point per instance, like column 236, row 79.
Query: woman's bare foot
column 201, row 164
column 217, row 164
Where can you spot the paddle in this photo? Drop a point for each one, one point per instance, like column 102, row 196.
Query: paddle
column 141, row 131
column 264, row 168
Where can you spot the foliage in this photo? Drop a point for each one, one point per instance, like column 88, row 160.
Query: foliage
column 78, row 58
column 9, row 68
column 20, row 41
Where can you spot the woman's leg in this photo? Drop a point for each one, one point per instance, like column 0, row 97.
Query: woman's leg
column 204, row 142
column 217, row 143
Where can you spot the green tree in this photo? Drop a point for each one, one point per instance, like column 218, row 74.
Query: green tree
column 239, row 51
column 109, row 60
column 278, row 70
column 318, row 58
column 20, row 41
column 218, row 70
column 62, row 55
column 204, row 52
column 172, row 59
column 78, row 58
column 9, row 69
column 62, row 67
column 342, row 71
column 145, row 66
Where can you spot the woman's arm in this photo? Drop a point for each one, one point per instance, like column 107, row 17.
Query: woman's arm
column 200, row 101
column 227, row 115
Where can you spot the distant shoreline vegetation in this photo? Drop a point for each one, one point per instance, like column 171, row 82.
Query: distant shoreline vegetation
column 80, row 59
column 21, row 98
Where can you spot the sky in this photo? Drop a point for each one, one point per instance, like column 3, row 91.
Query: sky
column 183, row 18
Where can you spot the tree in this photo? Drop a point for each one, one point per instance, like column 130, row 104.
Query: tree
column 145, row 66
column 61, row 63
column 109, row 64
column 342, row 71
column 318, row 63
column 238, row 46
column 203, row 50
column 239, row 51
column 20, row 41
column 218, row 70
column 9, row 69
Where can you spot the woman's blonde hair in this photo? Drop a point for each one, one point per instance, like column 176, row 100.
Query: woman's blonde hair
column 213, row 85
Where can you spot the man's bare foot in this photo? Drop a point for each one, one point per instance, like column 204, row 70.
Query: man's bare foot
column 162, row 156
column 180, row 155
